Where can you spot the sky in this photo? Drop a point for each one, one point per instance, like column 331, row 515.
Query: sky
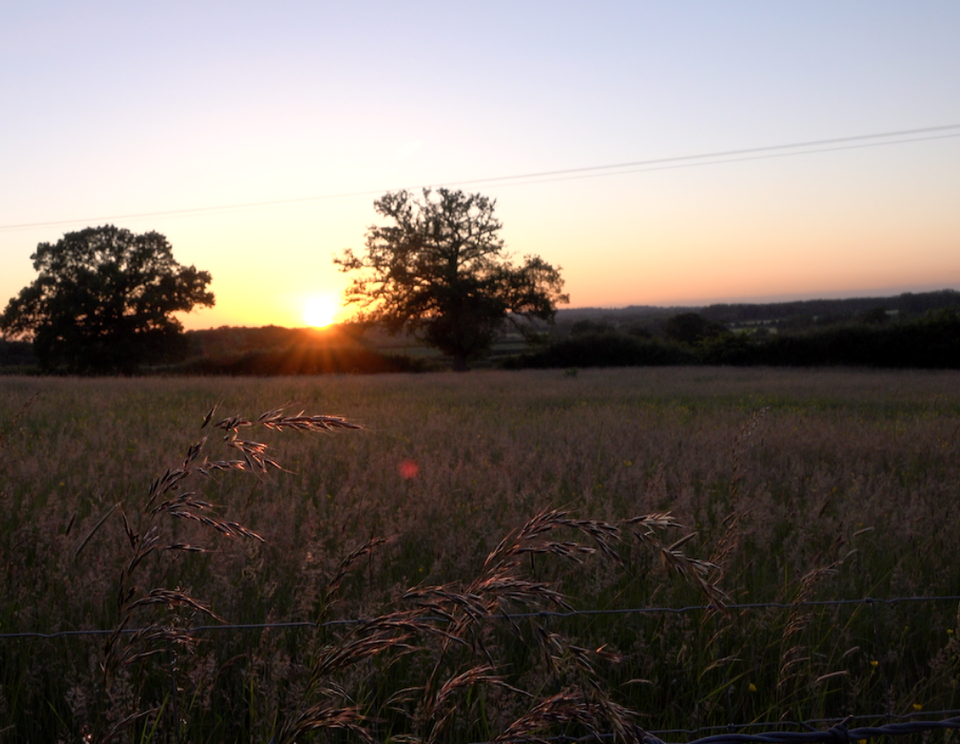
column 256, row 137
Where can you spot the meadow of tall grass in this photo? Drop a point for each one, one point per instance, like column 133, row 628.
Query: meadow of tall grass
column 790, row 486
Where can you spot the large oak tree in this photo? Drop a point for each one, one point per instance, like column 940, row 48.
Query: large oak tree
column 104, row 301
column 439, row 270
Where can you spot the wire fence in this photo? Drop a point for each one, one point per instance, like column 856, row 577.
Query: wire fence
column 560, row 614
column 838, row 733
column 809, row 731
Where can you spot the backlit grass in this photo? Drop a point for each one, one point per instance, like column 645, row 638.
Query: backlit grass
column 799, row 485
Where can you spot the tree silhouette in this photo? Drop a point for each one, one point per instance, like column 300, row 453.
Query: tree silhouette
column 691, row 328
column 103, row 302
column 440, row 272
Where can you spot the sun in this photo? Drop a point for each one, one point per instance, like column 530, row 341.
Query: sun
column 320, row 310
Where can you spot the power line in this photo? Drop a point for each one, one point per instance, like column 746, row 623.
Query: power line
column 645, row 164
column 683, row 161
column 715, row 162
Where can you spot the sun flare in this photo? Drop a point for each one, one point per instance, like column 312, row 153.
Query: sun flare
column 321, row 310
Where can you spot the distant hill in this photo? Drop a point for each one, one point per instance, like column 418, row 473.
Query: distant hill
column 905, row 306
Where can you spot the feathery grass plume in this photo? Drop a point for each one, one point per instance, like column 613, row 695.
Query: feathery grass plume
column 331, row 594
column 17, row 417
column 591, row 715
column 454, row 640
column 743, row 445
column 795, row 654
column 700, row 573
column 148, row 536
column 732, row 534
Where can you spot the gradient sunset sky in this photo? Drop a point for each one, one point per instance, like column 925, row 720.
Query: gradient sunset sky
column 256, row 137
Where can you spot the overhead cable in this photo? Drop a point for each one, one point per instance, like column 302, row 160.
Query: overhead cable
column 596, row 171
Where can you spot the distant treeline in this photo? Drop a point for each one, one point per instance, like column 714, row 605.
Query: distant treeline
column 930, row 341
column 912, row 330
column 904, row 306
column 263, row 352
column 272, row 350
column 17, row 356
column 795, row 314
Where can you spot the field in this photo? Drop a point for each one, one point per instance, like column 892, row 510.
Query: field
column 792, row 487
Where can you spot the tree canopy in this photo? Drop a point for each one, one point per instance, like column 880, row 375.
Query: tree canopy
column 439, row 270
column 103, row 301
column 692, row 328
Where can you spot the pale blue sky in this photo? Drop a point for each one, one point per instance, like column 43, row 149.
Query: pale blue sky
column 115, row 109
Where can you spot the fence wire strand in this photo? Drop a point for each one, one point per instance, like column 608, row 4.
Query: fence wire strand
column 560, row 614
column 733, row 733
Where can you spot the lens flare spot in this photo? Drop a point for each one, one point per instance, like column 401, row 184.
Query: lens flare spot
column 408, row 469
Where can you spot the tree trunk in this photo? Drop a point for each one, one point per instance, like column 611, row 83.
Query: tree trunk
column 459, row 362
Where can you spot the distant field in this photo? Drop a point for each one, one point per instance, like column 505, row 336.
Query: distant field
column 800, row 485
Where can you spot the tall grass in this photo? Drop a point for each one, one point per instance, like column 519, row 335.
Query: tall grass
column 800, row 485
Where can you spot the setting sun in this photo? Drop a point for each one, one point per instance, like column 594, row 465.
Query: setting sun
column 320, row 310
